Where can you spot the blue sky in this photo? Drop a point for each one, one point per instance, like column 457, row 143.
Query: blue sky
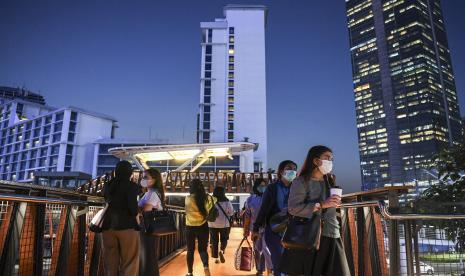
column 139, row 61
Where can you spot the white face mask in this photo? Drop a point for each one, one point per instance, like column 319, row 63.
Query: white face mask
column 326, row 166
column 289, row 175
column 144, row 183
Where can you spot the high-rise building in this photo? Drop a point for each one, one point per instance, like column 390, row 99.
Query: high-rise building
column 405, row 94
column 233, row 80
column 36, row 137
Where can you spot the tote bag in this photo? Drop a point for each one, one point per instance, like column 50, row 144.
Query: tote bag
column 244, row 258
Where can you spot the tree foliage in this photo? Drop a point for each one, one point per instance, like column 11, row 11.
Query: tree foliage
column 448, row 195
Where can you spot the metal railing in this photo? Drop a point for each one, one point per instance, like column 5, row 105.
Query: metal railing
column 44, row 231
column 179, row 181
column 380, row 242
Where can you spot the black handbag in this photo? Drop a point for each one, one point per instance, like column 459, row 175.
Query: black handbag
column 304, row 233
column 159, row 223
column 279, row 221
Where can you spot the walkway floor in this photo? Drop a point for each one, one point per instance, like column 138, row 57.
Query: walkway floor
column 178, row 267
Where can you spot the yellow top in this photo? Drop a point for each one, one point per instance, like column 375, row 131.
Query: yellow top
column 193, row 215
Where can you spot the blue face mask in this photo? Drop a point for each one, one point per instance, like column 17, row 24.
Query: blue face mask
column 261, row 189
column 289, row 175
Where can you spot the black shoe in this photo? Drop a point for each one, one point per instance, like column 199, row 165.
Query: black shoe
column 189, row 274
column 221, row 254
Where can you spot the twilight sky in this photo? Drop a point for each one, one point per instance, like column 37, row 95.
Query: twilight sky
column 139, row 61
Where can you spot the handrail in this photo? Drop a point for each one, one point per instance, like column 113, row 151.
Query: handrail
column 37, row 199
column 385, row 212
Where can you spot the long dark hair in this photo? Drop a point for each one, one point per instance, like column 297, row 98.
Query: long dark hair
column 200, row 196
column 282, row 165
column 219, row 193
column 309, row 166
column 123, row 173
column 158, row 182
column 257, row 183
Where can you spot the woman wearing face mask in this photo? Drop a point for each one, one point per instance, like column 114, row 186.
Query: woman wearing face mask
column 197, row 205
column 310, row 193
column 152, row 199
column 252, row 206
column 274, row 201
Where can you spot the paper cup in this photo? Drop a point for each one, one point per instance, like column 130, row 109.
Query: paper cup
column 336, row 191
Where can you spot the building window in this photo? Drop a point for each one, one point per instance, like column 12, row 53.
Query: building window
column 206, row 108
column 230, row 126
column 231, row 30
column 70, row 137
column 210, row 35
column 69, row 149
column 206, row 117
column 231, row 75
column 231, row 108
column 231, row 66
column 208, row 66
column 231, row 83
column 72, row 126
column 206, row 99
column 231, row 39
column 230, row 135
column 208, row 49
column 59, row 116
column 73, row 116
column 208, row 74
column 231, row 58
column 208, row 83
column 231, row 50
column 208, row 58
column 206, row 125
column 230, row 117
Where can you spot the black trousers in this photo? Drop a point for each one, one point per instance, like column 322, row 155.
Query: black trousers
column 148, row 256
column 199, row 233
column 218, row 235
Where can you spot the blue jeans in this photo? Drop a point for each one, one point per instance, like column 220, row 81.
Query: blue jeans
column 273, row 242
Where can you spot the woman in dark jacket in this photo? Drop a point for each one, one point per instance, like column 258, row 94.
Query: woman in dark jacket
column 310, row 193
column 120, row 235
column 274, row 201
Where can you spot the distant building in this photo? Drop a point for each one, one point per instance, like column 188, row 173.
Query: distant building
column 35, row 137
column 405, row 95
column 233, row 80
column 11, row 93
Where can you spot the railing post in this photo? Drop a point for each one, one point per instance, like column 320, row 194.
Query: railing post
column 416, row 247
column 360, row 238
column 82, row 228
column 394, row 252
column 39, row 240
column 408, row 247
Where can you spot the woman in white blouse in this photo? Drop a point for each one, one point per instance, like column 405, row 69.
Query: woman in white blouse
column 152, row 199
column 220, row 228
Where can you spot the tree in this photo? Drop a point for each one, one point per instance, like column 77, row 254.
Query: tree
column 448, row 195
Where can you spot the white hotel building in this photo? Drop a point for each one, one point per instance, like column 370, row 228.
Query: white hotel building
column 36, row 137
column 233, row 80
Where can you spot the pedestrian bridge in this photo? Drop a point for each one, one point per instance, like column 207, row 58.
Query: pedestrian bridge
column 43, row 231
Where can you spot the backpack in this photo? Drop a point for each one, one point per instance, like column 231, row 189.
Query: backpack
column 213, row 213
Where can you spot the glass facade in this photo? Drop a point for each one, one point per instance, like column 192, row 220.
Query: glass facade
column 405, row 96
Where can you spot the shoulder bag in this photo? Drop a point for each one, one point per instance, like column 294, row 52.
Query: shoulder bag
column 159, row 223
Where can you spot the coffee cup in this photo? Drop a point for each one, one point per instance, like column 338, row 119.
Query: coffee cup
column 336, row 191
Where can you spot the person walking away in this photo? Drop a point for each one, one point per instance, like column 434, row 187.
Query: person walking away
column 310, row 192
column 252, row 206
column 119, row 227
column 220, row 228
column 152, row 199
column 197, row 205
column 275, row 201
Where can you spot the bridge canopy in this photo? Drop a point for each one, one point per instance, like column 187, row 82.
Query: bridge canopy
column 188, row 153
